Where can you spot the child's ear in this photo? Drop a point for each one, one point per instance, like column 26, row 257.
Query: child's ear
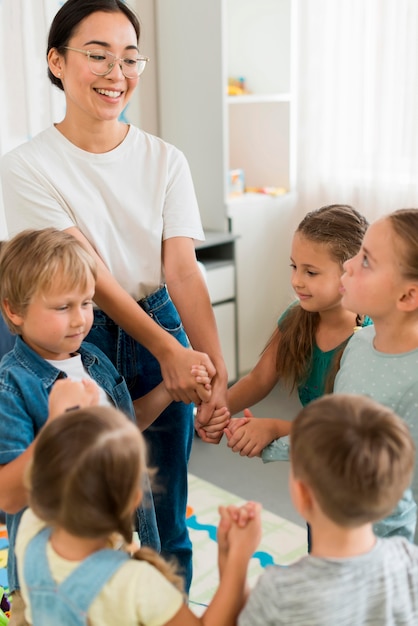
column 16, row 318
column 409, row 299
column 301, row 496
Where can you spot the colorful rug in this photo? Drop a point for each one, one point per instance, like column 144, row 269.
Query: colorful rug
column 283, row 542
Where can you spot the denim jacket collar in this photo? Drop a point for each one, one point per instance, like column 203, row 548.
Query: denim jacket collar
column 43, row 370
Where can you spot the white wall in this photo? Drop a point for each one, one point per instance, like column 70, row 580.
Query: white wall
column 143, row 109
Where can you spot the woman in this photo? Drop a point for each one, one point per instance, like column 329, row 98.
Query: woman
column 128, row 196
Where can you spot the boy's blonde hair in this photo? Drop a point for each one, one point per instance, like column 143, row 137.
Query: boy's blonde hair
column 87, row 468
column 356, row 455
column 31, row 261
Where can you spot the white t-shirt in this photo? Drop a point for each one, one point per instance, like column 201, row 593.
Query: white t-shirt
column 75, row 370
column 137, row 594
column 126, row 201
column 379, row 588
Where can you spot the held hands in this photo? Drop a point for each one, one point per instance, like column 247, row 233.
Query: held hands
column 203, row 380
column 67, row 394
column 180, row 382
column 239, row 532
column 212, row 416
column 249, row 435
column 212, row 431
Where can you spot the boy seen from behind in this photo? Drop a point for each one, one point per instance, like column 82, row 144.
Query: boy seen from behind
column 351, row 460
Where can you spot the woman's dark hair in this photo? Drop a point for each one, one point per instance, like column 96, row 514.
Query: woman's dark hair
column 72, row 13
column 341, row 229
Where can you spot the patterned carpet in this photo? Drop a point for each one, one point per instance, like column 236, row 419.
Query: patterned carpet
column 283, row 542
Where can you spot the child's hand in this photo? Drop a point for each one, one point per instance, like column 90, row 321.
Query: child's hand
column 239, row 531
column 67, row 394
column 250, row 438
column 237, row 422
column 211, row 432
column 203, row 380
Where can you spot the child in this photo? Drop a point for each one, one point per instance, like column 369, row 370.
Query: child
column 63, row 542
column 311, row 334
column 382, row 361
column 351, row 458
column 47, row 282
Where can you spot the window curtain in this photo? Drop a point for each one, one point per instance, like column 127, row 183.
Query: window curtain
column 29, row 103
column 356, row 125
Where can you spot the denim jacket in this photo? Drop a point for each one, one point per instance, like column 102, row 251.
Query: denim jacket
column 26, row 380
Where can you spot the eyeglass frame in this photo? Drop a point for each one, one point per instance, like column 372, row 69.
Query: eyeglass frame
column 111, row 65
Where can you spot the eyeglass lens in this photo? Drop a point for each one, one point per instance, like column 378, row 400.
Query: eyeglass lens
column 101, row 63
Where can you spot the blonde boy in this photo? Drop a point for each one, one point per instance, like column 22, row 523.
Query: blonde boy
column 351, row 461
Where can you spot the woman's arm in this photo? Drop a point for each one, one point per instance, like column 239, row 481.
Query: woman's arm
column 176, row 361
column 189, row 292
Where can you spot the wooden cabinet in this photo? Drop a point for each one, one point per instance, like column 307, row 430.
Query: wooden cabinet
column 201, row 45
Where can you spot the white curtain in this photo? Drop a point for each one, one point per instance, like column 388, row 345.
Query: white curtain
column 357, row 104
column 356, row 124
column 29, row 103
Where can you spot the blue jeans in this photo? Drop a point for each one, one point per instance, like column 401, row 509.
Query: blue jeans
column 169, row 438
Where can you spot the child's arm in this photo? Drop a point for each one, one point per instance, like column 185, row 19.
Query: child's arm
column 239, row 533
column 252, row 436
column 259, row 382
column 65, row 394
column 152, row 404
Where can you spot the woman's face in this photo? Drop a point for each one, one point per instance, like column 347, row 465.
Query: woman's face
column 91, row 97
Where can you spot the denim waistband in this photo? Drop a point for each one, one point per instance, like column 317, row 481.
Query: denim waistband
column 154, row 300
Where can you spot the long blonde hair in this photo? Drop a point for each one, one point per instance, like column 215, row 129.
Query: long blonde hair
column 85, row 474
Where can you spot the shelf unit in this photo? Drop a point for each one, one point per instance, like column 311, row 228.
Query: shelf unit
column 217, row 256
column 199, row 46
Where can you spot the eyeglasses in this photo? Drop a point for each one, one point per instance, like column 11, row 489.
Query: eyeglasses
column 102, row 62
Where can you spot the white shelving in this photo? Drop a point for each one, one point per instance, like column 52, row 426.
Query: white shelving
column 200, row 44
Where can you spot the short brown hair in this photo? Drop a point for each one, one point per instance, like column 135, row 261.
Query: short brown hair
column 356, row 455
column 32, row 259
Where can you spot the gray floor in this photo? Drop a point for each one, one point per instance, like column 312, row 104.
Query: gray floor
column 251, row 478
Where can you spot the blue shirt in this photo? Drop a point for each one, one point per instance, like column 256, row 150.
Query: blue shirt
column 26, row 380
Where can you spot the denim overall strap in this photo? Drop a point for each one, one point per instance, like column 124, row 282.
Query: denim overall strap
column 67, row 603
